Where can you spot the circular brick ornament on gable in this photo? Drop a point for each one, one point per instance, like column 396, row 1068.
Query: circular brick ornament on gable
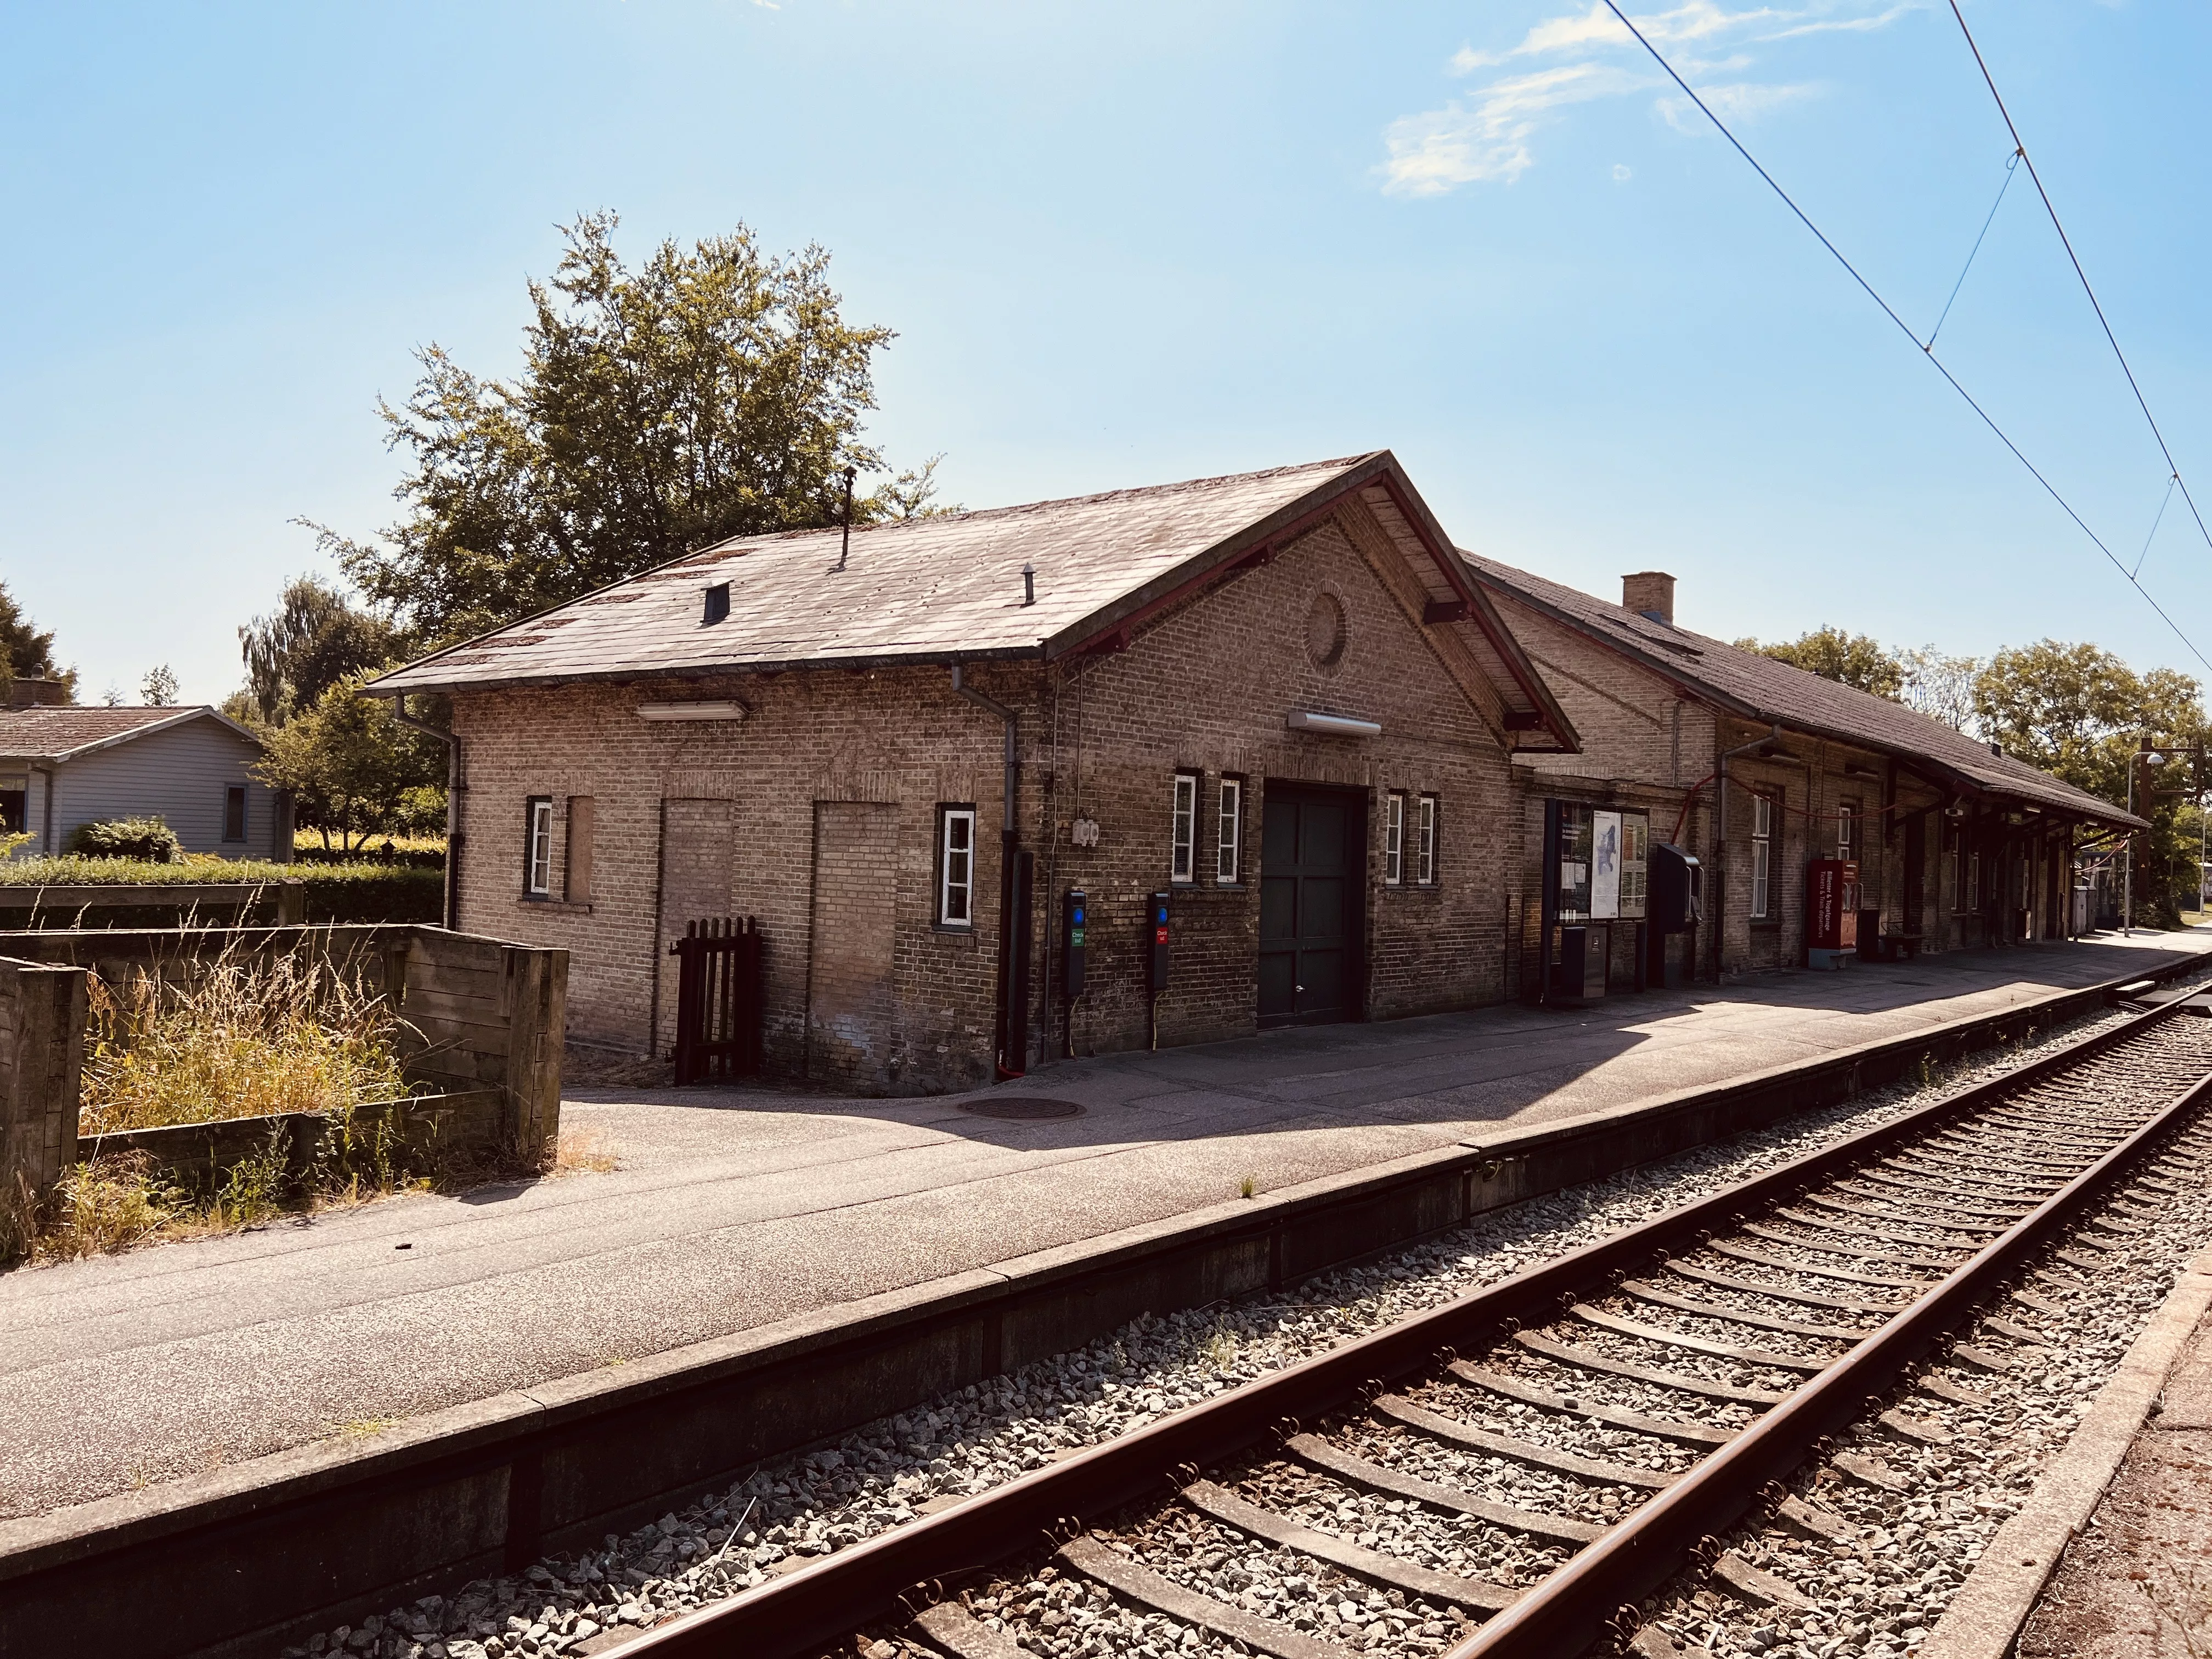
column 1325, row 630
column 1021, row 1109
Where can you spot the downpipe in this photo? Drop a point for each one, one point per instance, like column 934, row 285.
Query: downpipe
column 455, row 788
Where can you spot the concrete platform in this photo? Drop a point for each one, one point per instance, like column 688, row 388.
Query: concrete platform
column 735, row 1208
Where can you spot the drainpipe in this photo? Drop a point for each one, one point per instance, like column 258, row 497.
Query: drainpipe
column 1720, row 842
column 455, row 788
column 1009, row 1016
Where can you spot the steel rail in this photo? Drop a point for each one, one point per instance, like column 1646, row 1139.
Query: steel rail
column 896, row 1569
column 1577, row 1605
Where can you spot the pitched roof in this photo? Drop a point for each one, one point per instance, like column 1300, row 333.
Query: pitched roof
column 951, row 589
column 59, row 733
column 1759, row 688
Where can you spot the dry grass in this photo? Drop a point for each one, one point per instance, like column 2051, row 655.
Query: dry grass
column 237, row 1038
column 585, row 1151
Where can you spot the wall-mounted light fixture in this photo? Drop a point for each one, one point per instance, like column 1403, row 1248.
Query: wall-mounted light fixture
column 1333, row 726
column 691, row 711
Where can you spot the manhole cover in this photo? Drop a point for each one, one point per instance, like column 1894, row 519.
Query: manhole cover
column 1022, row 1108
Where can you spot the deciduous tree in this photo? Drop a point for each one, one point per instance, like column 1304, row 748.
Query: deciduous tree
column 313, row 639
column 352, row 768
column 1855, row 660
column 715, row 390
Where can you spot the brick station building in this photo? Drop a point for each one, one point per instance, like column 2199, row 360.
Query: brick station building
column 1280, row 699
column 1957, row 844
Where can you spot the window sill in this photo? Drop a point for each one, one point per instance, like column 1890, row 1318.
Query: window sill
column 959, row 929
column 557, row 906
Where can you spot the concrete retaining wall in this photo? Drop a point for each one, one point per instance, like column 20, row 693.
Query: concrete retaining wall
column 239, row 1561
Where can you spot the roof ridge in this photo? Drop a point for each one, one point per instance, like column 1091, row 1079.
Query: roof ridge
column 1132, row 492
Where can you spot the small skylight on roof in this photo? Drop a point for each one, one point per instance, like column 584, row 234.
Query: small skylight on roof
column 718, row 604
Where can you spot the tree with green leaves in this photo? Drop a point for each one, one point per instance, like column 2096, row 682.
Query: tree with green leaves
column 353, row 767
column 1855, row 659
column 713, row 391
column 25, row 651
column 159, row 690
column 313, row 639
column 2079, row 713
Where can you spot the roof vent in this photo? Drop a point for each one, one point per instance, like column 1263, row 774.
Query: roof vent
column 718, row 604
column 1650, row 593
column 1997, row 748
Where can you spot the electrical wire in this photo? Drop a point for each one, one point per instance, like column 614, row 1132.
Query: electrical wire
column 1888, row 311
column 2173, row 469
column 2012, row 165
column 2159, row 518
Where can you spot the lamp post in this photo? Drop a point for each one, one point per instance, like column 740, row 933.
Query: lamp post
column 2144, row 755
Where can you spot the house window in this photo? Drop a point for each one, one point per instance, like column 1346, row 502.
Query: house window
column 1762, row 855
column 955, row 867
column 234, row 811
column 1228, row 844
column 1184, row 834
column 538, row 847
column 1959, row 870
column 1974, row 881
column 1394, row 839
column 1847, row 826
column 576, row 879
column 15, row 800
column 1424, row 845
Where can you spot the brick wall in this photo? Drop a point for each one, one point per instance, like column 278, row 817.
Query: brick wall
column 1205, row 688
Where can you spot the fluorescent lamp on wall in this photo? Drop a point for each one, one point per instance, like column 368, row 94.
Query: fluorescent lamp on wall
column 691, row 711
column 1334, row 725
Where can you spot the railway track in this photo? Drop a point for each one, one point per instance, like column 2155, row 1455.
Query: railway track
column 1510, row 1472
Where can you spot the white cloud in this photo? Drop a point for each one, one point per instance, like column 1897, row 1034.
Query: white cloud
column 1621, row 174
column 1485, row 136
column 1463, row 143
column 1743, row 101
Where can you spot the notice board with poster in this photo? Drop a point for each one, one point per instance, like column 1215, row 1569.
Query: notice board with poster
column 1617, row 848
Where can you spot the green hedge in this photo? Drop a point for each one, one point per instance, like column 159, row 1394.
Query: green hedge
column 335, row 892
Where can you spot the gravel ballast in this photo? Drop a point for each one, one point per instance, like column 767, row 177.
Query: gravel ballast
column 970, row 1441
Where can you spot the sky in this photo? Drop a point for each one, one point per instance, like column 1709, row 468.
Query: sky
column 1134, row 243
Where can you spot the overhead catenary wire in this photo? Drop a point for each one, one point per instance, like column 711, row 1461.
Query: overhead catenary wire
column 1903, row 328
column 2172, row 467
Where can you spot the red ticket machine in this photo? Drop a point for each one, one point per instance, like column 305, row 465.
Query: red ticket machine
column 1832, row 912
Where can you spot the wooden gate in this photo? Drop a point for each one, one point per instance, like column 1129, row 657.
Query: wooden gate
column 717, row 999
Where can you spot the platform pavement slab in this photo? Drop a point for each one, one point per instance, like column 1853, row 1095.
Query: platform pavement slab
column 2135, row 1580
column 736, row 1207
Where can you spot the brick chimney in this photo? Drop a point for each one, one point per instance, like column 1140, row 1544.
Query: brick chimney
column 1650, row 593
column 36, row 693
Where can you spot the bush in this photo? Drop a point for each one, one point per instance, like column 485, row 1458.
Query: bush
column 150, row 839
column 335, row 892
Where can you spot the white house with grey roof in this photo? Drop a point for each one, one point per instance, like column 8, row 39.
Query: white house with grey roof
column 63, row 766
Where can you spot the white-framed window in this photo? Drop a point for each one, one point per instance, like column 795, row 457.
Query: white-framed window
column 1229, row 833
column 1182, row 835
column 1424, row 843
column 955, row 867
column 1762, row 855
column 1847, row 830
column 538, row 847
column 1394, row 839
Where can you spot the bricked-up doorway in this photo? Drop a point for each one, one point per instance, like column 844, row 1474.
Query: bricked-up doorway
column 1312, row 886
column 852, row 1004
